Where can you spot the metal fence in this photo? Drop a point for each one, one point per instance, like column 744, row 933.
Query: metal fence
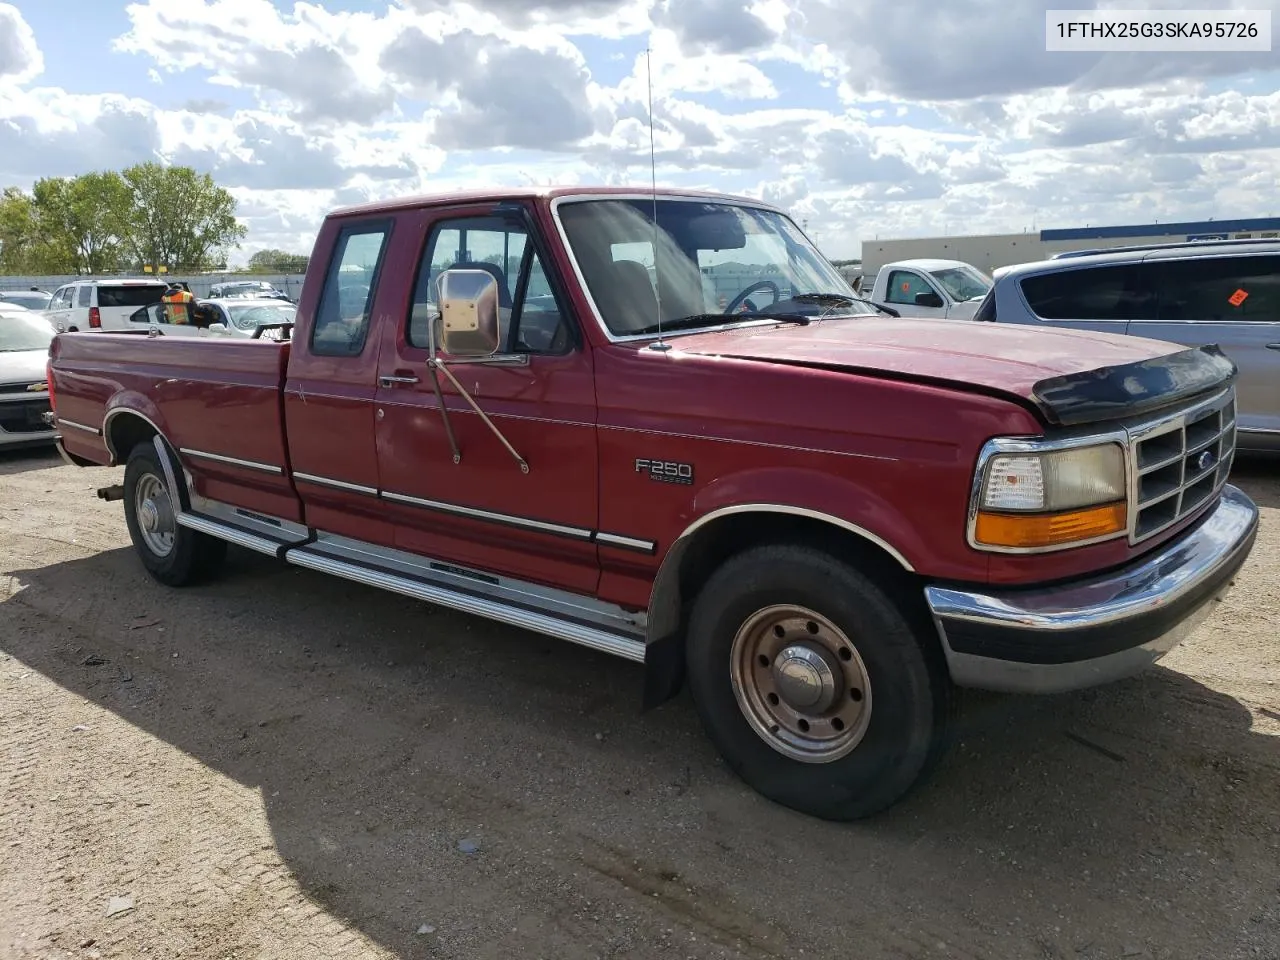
column 290, row 284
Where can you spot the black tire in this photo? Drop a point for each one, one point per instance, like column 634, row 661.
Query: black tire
column 910, row 698
column 194, row 557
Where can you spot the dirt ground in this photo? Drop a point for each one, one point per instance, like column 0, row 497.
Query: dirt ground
column 282, row 764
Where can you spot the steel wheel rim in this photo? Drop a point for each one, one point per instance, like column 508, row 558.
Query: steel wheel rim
column 154, row 512
column 801, row 683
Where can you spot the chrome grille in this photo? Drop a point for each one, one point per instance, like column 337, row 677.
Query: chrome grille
column 1179, row 462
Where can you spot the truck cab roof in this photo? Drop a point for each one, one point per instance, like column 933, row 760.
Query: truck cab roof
column 926, row 263
column 549, row 193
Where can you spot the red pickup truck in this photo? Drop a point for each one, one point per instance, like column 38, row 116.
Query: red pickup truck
column 662, row 426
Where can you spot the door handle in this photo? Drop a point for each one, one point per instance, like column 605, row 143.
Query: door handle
column 1273, row 346
column 392, row 381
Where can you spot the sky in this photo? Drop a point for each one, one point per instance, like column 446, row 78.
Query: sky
column 862, row 118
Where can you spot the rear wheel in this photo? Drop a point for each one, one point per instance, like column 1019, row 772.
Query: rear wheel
column 818, row 690
column 173, row 554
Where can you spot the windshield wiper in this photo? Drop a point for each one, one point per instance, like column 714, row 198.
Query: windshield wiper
column 800, row 319
column 697, row 319
column 833, row 299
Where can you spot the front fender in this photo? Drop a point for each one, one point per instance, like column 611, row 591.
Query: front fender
column 781, row 490
column 814, row 493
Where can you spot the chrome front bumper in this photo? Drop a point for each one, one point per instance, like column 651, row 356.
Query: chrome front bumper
column 1087, row 632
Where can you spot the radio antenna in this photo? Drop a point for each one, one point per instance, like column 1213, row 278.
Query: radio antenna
column 653, row 186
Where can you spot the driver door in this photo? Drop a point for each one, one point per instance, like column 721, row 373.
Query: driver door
column 903, row 288
column 538, row 391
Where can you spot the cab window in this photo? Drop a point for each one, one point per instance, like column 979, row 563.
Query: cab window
column 342, row 319
column 529, row 313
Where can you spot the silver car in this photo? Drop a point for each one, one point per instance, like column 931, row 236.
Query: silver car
column 1225, row 293
column 24, row 391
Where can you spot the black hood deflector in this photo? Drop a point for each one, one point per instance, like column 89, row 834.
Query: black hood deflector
column 1110, row 393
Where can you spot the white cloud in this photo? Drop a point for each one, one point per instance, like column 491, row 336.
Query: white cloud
column 885, row 116
column 308, row 61
column 718, row 26
column 502, row 94
column 48, row 132
column 20, row 57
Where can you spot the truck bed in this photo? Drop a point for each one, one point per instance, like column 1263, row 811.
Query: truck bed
column 218, row 401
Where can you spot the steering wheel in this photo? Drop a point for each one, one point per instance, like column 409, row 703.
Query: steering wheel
column 741, row 298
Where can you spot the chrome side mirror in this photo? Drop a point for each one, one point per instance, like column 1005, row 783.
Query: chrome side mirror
column 468, row 313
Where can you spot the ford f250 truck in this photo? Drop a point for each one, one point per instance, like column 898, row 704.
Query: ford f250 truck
column 532, row 406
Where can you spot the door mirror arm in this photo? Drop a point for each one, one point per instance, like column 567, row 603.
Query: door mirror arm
column 467, row 325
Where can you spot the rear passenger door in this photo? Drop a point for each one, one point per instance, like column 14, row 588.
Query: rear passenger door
column 1104, row 298
column 1235, row 303
column 156, row 315
column 332, row 378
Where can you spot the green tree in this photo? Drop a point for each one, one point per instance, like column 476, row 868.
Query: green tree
column 85, row 220
column 30, row 239
column 17, row 231
column 180, row 219
column 278, row 261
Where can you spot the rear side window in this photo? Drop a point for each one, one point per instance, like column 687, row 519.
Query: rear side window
column 1215, row 289
column 140, row 295
column 342, row 319
column 86, row 296
column 1093, row 293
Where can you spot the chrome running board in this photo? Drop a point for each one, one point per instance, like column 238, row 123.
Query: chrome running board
column 556, row 613
column 618, row 644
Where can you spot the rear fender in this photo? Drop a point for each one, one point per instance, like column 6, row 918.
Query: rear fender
column 128, row 413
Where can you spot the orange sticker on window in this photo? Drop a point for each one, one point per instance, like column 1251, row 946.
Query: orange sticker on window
column 1237, row 298
column 906, row 285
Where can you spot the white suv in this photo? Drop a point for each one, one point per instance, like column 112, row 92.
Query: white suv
column 101, row 304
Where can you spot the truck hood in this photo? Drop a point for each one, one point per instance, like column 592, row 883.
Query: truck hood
column 1070, row 376
column 23, row 367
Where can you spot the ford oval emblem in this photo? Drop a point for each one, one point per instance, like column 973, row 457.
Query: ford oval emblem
column 1205, row 460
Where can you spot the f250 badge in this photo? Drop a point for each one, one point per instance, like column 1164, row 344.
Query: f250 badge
column 666, row 471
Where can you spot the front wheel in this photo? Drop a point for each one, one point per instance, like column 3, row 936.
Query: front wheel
column 816, row 688
column 173, row 554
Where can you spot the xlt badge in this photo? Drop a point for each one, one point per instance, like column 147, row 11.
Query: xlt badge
column 666, row 471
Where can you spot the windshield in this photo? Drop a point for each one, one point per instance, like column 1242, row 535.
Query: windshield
column 247, row 318
column 963, row 283
column 715, row 263
column 245, row 288
column 24, row 333
column 32, row 301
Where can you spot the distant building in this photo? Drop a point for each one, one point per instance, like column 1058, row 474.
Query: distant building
column 989, row 251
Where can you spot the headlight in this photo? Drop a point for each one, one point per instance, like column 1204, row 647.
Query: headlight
column 1058, row 498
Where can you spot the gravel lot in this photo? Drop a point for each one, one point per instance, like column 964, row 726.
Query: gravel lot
column 282, row 764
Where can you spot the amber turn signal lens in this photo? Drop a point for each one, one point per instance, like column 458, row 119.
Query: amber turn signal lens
column 1049, row 529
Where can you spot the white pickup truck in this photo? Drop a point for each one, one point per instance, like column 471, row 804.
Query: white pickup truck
column 931, row 288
